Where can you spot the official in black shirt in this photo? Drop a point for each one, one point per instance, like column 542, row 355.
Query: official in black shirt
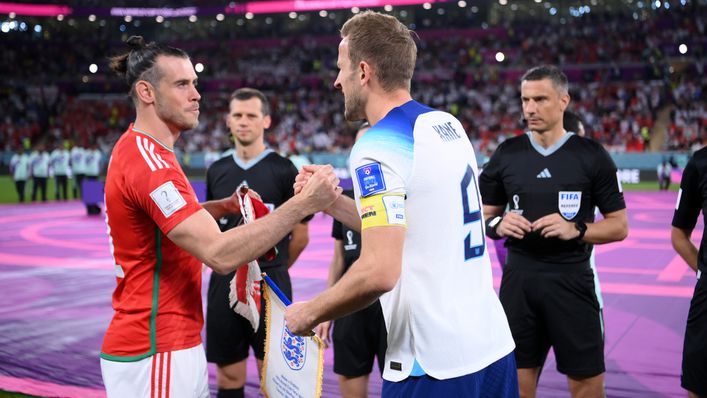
column 552, row 180
column 691, row 199
column 228, row 335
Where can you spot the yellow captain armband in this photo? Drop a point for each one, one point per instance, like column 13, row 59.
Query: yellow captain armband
column 383, row 210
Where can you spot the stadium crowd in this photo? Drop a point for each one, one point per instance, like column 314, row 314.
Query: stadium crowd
column 621, row 70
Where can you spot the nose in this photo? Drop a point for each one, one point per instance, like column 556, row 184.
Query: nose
column 195, row 95
column 337, row 82
column 530, row 107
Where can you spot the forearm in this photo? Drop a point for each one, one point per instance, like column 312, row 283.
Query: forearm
column 247, row 242
column 217, row 208
column 344, row 210
column 684, row 247
column 355, row 290
column 298, row 242
column 610, row 229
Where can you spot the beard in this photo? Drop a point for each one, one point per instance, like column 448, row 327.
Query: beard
column 354, row 107
column 171, row 115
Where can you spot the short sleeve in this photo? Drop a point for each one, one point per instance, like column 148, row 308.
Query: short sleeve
column 491, row 186
column 689, row 203
column 605, row 185
column 166, row 196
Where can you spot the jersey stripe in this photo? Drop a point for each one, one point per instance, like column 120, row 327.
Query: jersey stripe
column 152, row 377
column 144, row 155
column 151, row 150
column 166, row 165
column 169, row 368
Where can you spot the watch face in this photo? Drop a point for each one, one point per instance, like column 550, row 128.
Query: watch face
column 495, row 221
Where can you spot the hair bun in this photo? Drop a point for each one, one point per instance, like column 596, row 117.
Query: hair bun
column 136, row 42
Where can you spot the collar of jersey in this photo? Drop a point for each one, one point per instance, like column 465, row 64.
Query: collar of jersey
column 156, row 140
column 549, row 151
column 252, row 162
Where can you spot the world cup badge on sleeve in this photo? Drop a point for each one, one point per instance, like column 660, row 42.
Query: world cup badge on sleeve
column 568, row 203
column 294, row 349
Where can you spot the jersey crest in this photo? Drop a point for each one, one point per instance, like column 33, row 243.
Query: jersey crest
column 568, row 202
column 293, row 349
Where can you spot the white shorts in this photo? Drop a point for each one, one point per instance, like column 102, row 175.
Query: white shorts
column 175, row 374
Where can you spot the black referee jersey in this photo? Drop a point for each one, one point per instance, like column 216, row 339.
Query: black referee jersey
column 350, row 238
column 693, row 198
column 269, row 174
column 571, row 178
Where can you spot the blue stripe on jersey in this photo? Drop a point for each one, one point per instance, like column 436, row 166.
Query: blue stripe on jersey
column 395, row 130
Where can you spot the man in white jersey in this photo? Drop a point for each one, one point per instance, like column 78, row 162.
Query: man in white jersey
column 419, row 212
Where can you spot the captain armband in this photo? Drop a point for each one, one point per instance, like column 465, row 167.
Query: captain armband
column 383, row 210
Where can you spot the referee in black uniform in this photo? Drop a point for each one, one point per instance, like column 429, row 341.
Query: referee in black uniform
column 228, row 335
column 359, row 337
column 552, row 180
column 692, row 199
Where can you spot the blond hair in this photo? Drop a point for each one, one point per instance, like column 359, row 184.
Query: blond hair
column 385, row 43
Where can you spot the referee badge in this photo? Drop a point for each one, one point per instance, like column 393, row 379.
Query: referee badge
column 569, row 202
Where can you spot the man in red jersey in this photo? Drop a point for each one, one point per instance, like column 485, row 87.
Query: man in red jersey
column 160, row 235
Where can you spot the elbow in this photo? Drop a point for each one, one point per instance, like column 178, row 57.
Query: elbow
column 219, row 266
column 623, row 232
column 381, row 284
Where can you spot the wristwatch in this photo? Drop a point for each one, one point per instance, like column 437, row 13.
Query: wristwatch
column 491, row 225
column 580, row 226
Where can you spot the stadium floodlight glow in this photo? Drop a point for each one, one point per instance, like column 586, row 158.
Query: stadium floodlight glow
column 92, row 18
column 427, row 6
column 60, row 17
column 461, row 3
column 292, row 15
column 122, row 28
column 220, row 17
column 12, row 15
column 5, row 27
column 538, row 1
column 440, row 11
column 192, row 18
column 388, row 8
column 268, row 20
column 128, row 18
column 355, row 10
column 666, row 5
column 514, row 7
column 249, row 15
column 682, row 48
column 93, row 68
column 199, row 67
column 159, row 19
column 474, row 9
column 553, row 11
column 503, row 2
column 38, row 28
column 657, row 4
column 84, row 79
column 323, row 13
column 500, row 56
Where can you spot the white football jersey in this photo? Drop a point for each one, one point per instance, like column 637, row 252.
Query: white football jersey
column 443, row 312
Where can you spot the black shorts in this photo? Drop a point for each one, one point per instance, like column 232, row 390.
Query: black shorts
column 554, row 305
column 358, row 338
column 694, row 352
column 229, row 335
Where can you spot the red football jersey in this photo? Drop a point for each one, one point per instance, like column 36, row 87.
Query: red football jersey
column 157, row 301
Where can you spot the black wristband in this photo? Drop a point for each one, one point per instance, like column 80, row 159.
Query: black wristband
column 491, row 225
column 580, row 226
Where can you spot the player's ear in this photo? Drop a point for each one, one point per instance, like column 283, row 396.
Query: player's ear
column 144, row 91
column 267, row 121
column 565, row 101
column 365, row 72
